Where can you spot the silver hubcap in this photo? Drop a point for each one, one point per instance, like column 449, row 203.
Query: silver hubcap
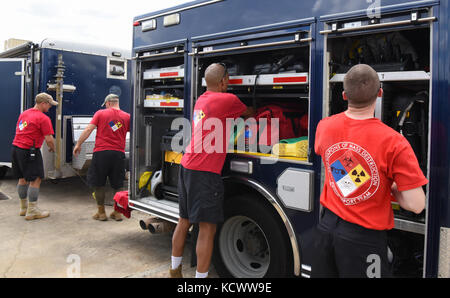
column 244, row 248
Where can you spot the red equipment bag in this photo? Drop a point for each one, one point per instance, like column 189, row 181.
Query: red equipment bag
column 285, row 129
column 121, row 203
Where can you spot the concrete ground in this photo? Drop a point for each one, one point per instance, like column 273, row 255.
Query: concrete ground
column 70, row 243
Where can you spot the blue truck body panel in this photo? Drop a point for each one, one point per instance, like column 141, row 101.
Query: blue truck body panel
column 212, row 19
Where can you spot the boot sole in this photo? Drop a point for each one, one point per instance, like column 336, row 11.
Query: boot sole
column 36, row 217
column 100, row 219
column 113, row 216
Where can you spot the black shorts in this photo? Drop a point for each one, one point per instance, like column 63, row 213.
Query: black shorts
column 25, row 168
column 107, row 164
column 200, row 196
column 344, row 249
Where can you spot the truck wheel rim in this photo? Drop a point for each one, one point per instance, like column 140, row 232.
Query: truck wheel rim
column 244, row 247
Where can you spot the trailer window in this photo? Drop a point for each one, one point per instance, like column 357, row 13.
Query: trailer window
column 116, row 68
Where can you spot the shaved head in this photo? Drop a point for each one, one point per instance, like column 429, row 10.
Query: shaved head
column 214, row 75
column 361, row 85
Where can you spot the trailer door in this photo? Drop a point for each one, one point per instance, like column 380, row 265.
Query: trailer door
column 12, row 72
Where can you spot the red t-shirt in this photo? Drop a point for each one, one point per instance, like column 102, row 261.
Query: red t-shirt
column 362, row 159
column 112, row 127
column 31, row 129
column 208, row 147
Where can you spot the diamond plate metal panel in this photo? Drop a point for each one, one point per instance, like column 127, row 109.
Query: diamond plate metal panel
column 444, row 253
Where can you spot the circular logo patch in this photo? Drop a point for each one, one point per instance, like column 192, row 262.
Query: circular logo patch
column 353, row 173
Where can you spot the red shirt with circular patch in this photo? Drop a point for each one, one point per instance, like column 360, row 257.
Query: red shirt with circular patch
column 362, row 159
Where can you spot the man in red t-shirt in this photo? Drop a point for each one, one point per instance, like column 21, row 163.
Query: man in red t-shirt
column 33, row 127
column 108, row 160
column 367, row 165
column 200, row 186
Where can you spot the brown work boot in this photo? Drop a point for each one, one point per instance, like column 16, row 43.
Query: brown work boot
column 101, row 214
column 176, row 273
column 116, row 216
column 33, row 212
column 23, row 207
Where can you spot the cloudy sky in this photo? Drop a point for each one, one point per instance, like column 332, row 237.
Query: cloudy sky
column 107, row 23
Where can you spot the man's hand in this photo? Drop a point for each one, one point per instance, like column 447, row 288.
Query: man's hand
column 76, row 150
column 84, row 135
column 50, row 141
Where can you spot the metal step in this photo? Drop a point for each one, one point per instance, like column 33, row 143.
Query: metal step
column 164, row 209
column 409, row 226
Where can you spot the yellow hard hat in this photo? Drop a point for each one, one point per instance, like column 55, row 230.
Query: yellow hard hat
column 143, row 180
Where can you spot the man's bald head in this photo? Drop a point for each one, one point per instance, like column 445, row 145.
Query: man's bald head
column 214, row 75
column 361, row 85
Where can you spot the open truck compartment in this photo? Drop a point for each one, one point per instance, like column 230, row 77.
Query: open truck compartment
column 402, row 61
column 271, row 79
column 275, row 81
column 159, row 99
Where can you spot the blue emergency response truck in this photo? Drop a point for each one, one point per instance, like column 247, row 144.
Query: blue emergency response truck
column 78, row 76
column 288, row 58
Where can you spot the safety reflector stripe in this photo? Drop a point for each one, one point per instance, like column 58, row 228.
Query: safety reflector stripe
column 169, row 104
column 235, row 81
column 290, row 80
column 168, row 74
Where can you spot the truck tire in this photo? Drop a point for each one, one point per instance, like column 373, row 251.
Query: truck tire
column 251, row 242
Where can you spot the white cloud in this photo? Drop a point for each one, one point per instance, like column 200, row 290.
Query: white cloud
column 107, row 23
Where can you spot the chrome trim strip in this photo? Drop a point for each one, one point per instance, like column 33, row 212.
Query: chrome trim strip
column 383, row 10
column 158, row 46
column 430, row 121
column 279, row 43
column 159, row 55
column 381, row 25
column 251, row 30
